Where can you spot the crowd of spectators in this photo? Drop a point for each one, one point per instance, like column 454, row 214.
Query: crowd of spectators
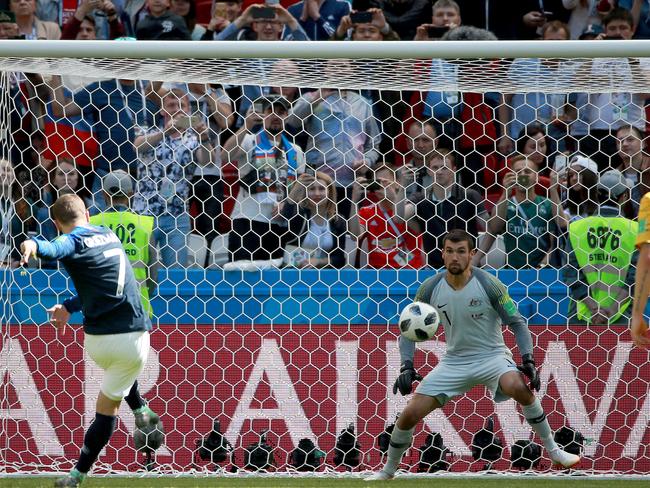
column 304, row 172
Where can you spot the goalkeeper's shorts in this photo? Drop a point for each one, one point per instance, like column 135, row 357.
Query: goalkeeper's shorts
column 454, row 376
column 122, row 357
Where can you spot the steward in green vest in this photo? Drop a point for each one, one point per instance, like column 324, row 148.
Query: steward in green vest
column 602, row 258
column 133, row 230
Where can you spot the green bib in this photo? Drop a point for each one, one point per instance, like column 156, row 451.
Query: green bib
column 134, row 231
column 604, row 247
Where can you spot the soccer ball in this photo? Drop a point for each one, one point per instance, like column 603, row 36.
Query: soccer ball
column 419, row 322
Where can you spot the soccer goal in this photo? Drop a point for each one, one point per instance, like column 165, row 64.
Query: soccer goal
column 272, row 326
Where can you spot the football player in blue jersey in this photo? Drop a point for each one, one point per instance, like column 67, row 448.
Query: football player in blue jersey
column 115, row 324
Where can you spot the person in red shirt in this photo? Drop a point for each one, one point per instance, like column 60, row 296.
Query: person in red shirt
column 392, row 242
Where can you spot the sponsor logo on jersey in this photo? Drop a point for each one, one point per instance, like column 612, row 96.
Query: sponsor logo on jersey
column 508, row 304
column 475, row 302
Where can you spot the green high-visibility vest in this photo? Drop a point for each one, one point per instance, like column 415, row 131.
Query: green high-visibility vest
column 604, row 247
column 134, row 231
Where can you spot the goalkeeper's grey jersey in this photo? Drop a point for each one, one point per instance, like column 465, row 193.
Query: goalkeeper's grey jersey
column 473, row 316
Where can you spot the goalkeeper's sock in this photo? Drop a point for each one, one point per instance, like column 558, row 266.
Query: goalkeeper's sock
column 536, row 417
column 400, row 441
column 97, row 436
column 133, row 399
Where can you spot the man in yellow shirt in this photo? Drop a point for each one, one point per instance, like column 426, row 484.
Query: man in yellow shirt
column 639, row 327
column 134, row 231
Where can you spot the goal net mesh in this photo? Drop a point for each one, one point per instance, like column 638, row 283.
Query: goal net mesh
column 277, row 292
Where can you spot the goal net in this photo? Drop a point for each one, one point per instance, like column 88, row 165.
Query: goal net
column 299, row 193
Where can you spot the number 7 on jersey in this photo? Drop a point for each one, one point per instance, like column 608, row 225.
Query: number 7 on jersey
column 121, row 275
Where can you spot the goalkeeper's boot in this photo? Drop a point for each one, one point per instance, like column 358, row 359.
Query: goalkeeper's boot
column 380, row 476
column 72, row 480
column 563, row 458
column 149, row 434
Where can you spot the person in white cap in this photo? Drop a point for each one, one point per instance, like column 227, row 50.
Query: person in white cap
column 602, row 258
column 581, row 185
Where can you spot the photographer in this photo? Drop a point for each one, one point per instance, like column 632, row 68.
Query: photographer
column 267, row 23
column 83, row 24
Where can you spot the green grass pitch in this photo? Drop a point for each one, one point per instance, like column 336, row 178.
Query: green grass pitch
column 283, row 482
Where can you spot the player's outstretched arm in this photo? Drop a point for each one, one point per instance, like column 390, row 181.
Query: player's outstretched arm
column 61, row 247
column 639, row 327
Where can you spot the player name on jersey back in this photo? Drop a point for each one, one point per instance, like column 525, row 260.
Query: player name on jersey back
column 101, row 240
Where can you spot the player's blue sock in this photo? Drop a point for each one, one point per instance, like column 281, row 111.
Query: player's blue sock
column 97, row 436
column 536, row 417
column 133, row 399
column 400, row 441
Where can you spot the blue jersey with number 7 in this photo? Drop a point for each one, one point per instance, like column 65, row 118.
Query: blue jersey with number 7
column 108, row 294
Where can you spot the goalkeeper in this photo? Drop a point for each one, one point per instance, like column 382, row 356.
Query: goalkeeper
column 472, row 305
column 115, row 324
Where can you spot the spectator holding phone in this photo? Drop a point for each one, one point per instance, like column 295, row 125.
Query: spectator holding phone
column 269, row 163
column 29, row 25
column 527, row 220
column 8, row 27
column 267, row 23
column 369, row 25
column 536, row 13
column 223, row 14
column 421, row 144
column 83, row 24
column 403, row 15
column 319, row 18
column 316, row 234
column 445, row 16
column 167, row 159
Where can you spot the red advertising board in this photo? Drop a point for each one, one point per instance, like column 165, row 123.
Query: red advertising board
column 312, row 381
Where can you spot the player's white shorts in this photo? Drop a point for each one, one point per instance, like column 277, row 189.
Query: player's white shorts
column 453, row 377
column 121, row 356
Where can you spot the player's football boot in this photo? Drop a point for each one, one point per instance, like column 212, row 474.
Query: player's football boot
column 149, row 433
column 380, row 476
column 72, row 480
column 563, row 458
